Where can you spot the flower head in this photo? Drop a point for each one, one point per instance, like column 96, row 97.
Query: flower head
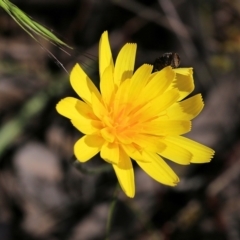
column 136, row 115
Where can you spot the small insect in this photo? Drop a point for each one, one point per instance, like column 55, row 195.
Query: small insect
column 167, row 59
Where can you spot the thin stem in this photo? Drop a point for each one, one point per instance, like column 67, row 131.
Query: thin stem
column 82, row 169
column 144, row 220
column 111, row 212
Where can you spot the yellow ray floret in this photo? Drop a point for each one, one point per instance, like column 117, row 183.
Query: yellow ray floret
column 136, row 116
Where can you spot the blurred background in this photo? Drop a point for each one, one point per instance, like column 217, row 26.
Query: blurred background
column 43, row 196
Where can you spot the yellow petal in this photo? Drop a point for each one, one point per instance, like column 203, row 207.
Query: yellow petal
column 184, row 71
column 158, row 169
column 125, row 63
column 110, row 152
column 200, row 153
column 164, row 128
column 187, row 109
column 184, row 81
column 81, row 115
column 125, row 174
column 149, row 143
column 71, row 108
column 134, row 152
column 158, row 84
column 175, row 152
column 125, row 137
column 107, row 85
column 156, row 106
column 98, row 107
column 87, row 147
column 164, row 101
column 139, row 80
column 121, row 97
column 107, row 134
column 86, row 125
column 105, row 55
column 82, row 84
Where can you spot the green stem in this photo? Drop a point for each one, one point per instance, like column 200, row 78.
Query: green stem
column 111, row 212
column 144, row 220
column 84, row 170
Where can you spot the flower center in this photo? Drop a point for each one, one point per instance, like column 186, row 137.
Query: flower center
column 120, row 125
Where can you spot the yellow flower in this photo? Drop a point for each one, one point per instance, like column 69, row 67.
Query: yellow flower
column 136, row 115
